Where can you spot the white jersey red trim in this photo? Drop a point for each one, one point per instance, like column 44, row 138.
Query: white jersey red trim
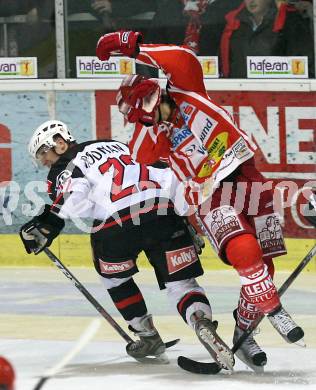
column 100, row 180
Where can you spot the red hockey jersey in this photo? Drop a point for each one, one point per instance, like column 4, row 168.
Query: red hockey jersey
column 203, row 141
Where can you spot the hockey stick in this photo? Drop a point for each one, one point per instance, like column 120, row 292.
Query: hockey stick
column 82, row 341
column 93, row 301
column 213, row 368
column 89, row 297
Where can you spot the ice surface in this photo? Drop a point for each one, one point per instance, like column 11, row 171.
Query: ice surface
column 42, row 315
column 104, row 365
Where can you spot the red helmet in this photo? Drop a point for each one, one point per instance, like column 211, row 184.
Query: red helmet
column 138, row 98
column 7, row 375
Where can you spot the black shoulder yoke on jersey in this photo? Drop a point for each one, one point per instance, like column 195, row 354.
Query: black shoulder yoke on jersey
column 63, row 169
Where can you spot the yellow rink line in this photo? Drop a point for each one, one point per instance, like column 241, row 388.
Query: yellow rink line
column 74, row 250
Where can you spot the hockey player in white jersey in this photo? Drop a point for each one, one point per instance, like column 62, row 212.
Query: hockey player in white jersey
column 132, row 211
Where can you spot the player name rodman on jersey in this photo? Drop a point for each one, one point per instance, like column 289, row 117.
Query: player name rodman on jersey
column 94, row 155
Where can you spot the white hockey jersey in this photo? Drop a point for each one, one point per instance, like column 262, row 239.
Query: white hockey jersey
column 100, row 180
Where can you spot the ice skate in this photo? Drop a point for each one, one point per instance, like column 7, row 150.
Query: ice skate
column 249, row 352
column 206, row 332
column 149, row 348
column 287, row 328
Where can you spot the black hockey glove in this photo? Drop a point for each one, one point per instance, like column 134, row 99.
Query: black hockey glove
column 198, row 241
column 310, row 210
column 40, row 232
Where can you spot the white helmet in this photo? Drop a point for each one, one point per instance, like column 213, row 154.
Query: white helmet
column 44, row 136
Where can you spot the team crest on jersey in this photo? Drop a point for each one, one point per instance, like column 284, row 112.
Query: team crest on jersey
column 270, row 234
column 187, row 110
column 63, row 181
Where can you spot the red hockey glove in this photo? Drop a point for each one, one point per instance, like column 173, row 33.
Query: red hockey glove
column 120, row 42
column 139, row 102
column 139, row 115
column 144, row 89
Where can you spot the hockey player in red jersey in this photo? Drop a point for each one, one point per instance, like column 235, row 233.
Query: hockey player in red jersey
column 213, row 157
column 132, row 209
column 7, row 374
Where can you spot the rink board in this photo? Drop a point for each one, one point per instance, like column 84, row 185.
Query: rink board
column 74, row 250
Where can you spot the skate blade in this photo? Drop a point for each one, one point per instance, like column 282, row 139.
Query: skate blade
column 159, row 359
column 300, row 343
column 253, row 367
column 224, row 357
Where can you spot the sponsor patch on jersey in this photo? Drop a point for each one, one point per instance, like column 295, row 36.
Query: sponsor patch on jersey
column 207, row 129
column 216, row 151
column 269, row 233
column 187, row 110
column 241, row 149
column 223, row 222
column 179, row 136
column 202, row 127
column 191, row 149
column 218, row 145
column 180, row 258
column 227, row 160
column 115, row 268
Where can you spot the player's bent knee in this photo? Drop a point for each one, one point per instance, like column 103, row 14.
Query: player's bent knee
column 113, row 282
column 243, row 251
column 178, row 289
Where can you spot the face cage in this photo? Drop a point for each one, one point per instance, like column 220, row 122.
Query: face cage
column 41, row 151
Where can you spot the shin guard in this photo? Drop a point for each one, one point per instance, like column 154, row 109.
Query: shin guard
column 129, row 300
column 258, row 289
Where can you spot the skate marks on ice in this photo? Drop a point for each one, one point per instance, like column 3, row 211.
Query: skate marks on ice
column 283, row 368
column 103, row 365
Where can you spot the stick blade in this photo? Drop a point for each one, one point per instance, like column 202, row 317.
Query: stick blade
column 171, row 343
column 196, row 367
